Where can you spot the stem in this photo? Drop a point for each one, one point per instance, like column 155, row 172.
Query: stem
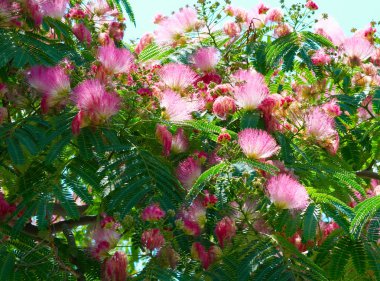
column 368, row 174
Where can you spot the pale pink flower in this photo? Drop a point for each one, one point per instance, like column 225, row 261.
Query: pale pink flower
column 365, row 112
column 177, row 76
column 82, row 33
column 257, row 144
column 320, row 58
column 287, row 193
column 225, row 230
column 244, row 75
column 34, row 10
column 311, row 5
column 98, row 7
column 193, row 220
column 188, row 172
column 144, row 42
column 95, row 104
column 357, row 49
column 231, row 29
column 52, row 82
column 104, row 239
column 223, row 106
column 366, row 33
column 116, row 60
column 282, row 29
column 274, row 15
column 54, row 8
column 332, row 108
column 180, row 143
column 206, row 58
column 165, row 138
column 321, row 127
column 115, row 268
column 159, row 18
column 152, row 239
column 257, row 18
column 206, row 258
column 176, row 108
column 330, row 29
column 152, row 213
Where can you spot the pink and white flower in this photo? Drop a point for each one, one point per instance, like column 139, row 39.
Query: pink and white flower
column 257, row 144
column 357, row 49
column 287, row 193
column 175, row 108
column 320, row 58
column 152, row 239
column 188, row 172
column 330, row 29
column 82, row 33
column 223, row 106
column 116, row 60
column 225, row 230
column 54, row 8
column 152, row 213
column 115, row 267
column 177, row 76
column 206, row 58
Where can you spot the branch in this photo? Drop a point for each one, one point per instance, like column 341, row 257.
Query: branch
column 368, row 174
column 59, row 210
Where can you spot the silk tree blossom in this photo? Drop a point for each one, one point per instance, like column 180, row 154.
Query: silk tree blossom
column 257, row 144
column 244, row 75
column 250, row 95
column 180, row 143
column 104, row 239
column 144, row 42
column 152, row 213
column 231, row 29
column 357, row 49
column 282, row 29
column 330, row 29
column 320, row 58
column 54, row 8
column 165, row 138
column 206, row 258
column 206, row 58
column 175, row 108
column 274, row 15
column 82, row 33
column 193, row 219
column 5, row 208
column 321, row 127
column 223, row 106
column 177, row 76
column 332, row 108
column 188, row 172
column 52, row 82
column 286, row 192
column 225, row 230
column 94, row 103
column 116, row 60
column 152, row 239
column 311, row 5
column 115, row 267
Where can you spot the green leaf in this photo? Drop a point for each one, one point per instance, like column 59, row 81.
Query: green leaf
column 376, row 101
column 363, row 212
column 310, row 222
column 15, row 151
column 259, row 165
column 251, row 119
column 67, row 201
column 7, row 268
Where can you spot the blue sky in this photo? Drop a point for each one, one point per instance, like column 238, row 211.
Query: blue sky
column 349, row 13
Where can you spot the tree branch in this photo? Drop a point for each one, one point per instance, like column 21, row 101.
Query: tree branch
column 368, row 174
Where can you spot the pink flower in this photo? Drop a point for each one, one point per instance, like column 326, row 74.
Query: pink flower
column 158, row 18
column 180, row 143
column 99, row 7
column 5, row 207
column 144, row 42
column 311, row 5
column 116, row 31
column 52, row 82
column 275, row 15
column 54, row 8
column 209, row 199
column 104, row 239
column 82, row 33
column 175, row 108
column 231, row 29
column 320, row 58
column 168, row 257
column 152, row 213
column 206, row 58
column 115, row 268
column 332, row 108
column 282, row 29
column 177, row 76
column 223, row 106
column 152, row 239
column 357, row 49
column 188, row 172
column 250, row 95
column 115, row 60
column 34, row 10
column 94, row 103
column 206, row 258
column 287, row 193
column 365, row 112
column 225, row 230
column 257, row 144
column 330, row 29
column 193, row 219
column 165, row 138
column 321, row 127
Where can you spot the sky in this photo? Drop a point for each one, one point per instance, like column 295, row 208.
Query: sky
column 349, row 13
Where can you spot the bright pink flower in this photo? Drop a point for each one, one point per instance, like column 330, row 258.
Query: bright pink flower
column 34, row 9
column 262, row 9
column 165, row 138
column 115, row 60
column 180, row 143
column 76, row 13
column 82, row 33
column 311, row 5
column 144, row 42
column 94, row 103
column 54, row 8
column 250, row 95
column 257, row 144
column 275, row 15
column 320, row 58
column 224, row 136
column 152, row 213
column 3, row 114
column 330, row 29
column 332, row 108
column 193, row 219
column 188, row 172
column 199, row 252
column 321, row 127
column 177, row 76
column 223, row 106
column 104, row 239
column 175, row 108
column 52, row 82
column 209, row 199
column 116, row 30
column 231, row 29
column 357, row 49
column 327, row 228
column 225, row 230
column 5, row 207
column 206, row 58
column 115, row 268
column 287, row 193
column 152, row 239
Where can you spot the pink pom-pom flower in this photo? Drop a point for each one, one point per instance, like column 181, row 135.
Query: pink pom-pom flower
column 188, row 171
column 223, row 106
column 152, row 239
column 225, row 230
column 152, row 213
column 54, row 8
column 115, row 268
column 177, row 76
column 175, row 108
column 82, row 33
column 357, row 49
column 206, row 58
column 115, row 60
column 257, row 144
column 287, row 193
